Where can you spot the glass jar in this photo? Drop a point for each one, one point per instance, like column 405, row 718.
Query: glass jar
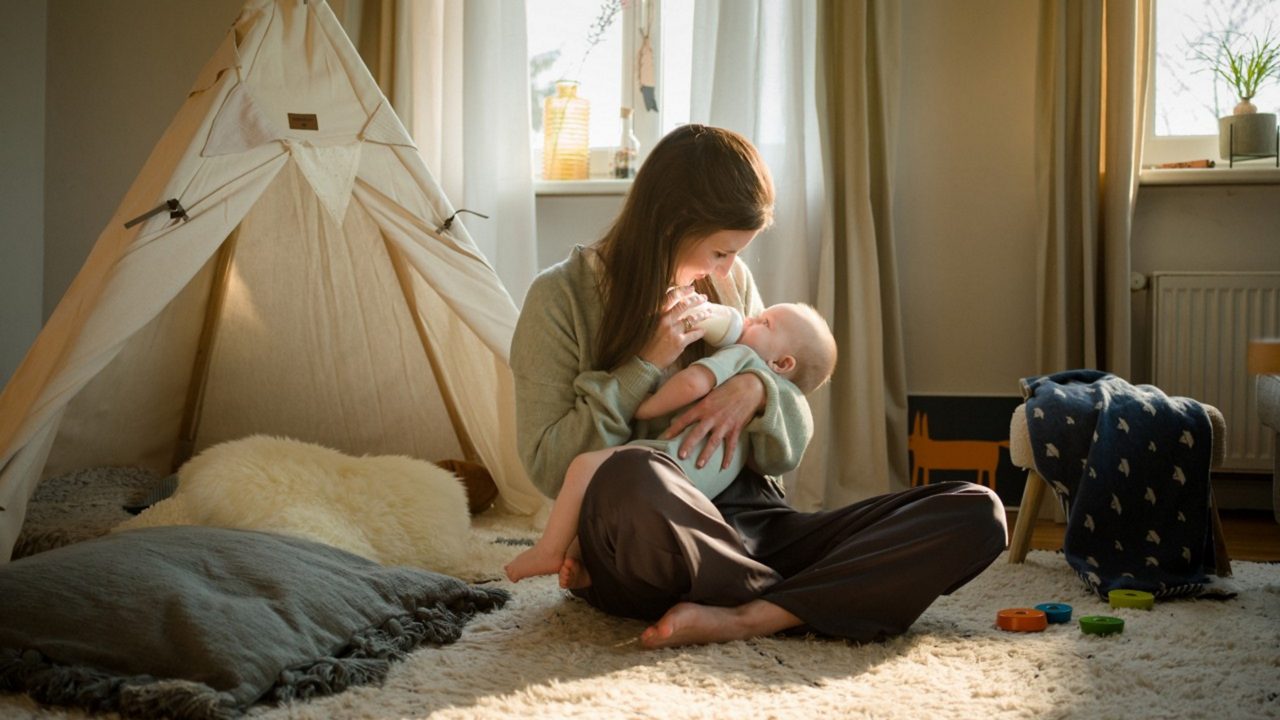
column 566, row 122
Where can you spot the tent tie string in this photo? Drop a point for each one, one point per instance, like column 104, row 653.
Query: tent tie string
column 172, row 205
column 448, row 222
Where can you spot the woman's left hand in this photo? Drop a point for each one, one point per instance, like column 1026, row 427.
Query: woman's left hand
column 719, row 417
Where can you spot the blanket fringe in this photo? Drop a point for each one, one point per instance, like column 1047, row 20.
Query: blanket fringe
column 139, row 696
column 367, row 658
column 177, row 699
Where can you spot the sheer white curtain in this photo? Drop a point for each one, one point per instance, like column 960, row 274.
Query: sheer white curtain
column 457, row 74
column 759, row 68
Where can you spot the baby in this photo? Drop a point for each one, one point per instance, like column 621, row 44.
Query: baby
column 790, row 340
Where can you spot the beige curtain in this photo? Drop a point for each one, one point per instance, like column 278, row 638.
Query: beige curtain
column 860, row 444
column 1092, row 76
column 380, row 31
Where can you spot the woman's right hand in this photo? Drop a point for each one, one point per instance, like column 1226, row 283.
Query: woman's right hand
column 673, row 334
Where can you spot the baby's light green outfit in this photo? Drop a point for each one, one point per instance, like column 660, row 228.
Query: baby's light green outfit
column 710, row 479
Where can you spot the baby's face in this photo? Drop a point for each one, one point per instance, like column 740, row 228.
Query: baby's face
column 770, row 333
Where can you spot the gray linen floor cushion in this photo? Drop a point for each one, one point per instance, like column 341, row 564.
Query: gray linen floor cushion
column 199, row 622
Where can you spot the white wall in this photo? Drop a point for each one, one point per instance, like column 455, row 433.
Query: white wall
column 117, row 73
column 965, row 202
column 22, row 82
column 568, row 220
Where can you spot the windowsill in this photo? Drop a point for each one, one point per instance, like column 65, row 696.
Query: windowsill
column 597, row 186
column 1256, row 173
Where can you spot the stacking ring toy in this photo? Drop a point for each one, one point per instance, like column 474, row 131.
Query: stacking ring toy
column 1131, row 599
column 1021, row 620
column 1101, row 625
column 1055, row 612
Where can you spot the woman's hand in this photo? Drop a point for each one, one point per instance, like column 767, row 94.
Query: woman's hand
column 719, row 417
column 673, row 334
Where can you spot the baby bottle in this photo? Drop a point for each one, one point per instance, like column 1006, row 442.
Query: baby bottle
column 723, row 324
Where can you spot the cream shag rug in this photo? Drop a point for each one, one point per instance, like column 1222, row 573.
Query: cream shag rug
column 548, row 655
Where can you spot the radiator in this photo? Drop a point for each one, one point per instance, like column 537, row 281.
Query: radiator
column 1201, row 324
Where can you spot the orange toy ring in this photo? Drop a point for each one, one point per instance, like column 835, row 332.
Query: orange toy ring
column 1021, row 620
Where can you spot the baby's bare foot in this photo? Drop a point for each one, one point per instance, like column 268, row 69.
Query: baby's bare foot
column 531, row 562
column 573, row 574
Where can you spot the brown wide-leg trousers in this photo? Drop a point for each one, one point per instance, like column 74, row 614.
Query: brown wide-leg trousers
column 862, row 572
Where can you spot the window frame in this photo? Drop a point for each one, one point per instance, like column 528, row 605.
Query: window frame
column 646, row 125
column 1159, row 149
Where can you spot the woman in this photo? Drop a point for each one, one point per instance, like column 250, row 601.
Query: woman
column 601, row 329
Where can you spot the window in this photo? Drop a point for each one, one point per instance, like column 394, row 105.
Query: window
column 1185, row 99
column 597, row 43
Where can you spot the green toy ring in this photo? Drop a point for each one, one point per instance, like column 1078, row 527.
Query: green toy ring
column 1101, row 625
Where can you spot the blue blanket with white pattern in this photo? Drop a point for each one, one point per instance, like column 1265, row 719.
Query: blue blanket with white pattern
column 1131, row 468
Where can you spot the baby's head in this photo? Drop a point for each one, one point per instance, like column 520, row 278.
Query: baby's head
column 794, row 341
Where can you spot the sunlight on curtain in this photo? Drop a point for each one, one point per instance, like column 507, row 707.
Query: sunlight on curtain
column 865, row 449
column 1090, row 114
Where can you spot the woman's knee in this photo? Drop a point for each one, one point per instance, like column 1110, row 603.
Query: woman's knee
column 985, row 518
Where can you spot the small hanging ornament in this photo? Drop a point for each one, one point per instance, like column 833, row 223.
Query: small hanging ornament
column 644, row 63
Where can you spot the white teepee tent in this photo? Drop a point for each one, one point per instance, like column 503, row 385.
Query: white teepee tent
column 301, row 280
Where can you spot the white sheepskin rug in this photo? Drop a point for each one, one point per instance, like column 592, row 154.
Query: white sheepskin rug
column 392, row 509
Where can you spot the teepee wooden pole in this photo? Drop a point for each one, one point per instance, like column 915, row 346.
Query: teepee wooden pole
column 204, row 353
column 433, row 359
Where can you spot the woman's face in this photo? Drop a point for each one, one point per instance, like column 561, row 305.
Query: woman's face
column 712, row 255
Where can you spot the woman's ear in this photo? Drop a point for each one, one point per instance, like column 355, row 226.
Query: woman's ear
column 783, row 365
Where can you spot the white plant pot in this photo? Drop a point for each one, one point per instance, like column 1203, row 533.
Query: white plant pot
column 1254, row 134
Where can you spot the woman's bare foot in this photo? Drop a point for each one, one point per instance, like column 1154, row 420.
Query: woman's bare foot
column 531, row 562
column 693, row 624
column 573, row 574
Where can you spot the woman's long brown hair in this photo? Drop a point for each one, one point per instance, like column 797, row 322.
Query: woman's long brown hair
column 697, row 180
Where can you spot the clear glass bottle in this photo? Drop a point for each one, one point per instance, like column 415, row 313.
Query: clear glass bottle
column 626, row 159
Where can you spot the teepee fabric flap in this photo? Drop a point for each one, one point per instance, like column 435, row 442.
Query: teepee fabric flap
column 331, row 170
column 240, row 126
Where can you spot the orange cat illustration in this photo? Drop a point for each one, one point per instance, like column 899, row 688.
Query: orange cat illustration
column 981, row 456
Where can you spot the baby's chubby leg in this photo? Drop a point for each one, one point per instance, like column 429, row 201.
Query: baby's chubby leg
column 547, row 556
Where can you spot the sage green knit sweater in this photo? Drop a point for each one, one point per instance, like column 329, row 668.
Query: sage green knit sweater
column 566, row 405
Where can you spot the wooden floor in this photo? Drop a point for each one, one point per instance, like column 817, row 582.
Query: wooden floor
column 1251, row 535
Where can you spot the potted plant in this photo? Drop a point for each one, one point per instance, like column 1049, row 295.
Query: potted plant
column 1246, row 66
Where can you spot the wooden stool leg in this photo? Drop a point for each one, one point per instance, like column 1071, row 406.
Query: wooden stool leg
column 1032, row 494
column 1221, row 561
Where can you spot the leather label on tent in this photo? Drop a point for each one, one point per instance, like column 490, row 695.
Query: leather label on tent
column 303, row 121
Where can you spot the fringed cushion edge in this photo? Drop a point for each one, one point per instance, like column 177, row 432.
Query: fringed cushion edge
column 365, row 660
column 52, row 683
